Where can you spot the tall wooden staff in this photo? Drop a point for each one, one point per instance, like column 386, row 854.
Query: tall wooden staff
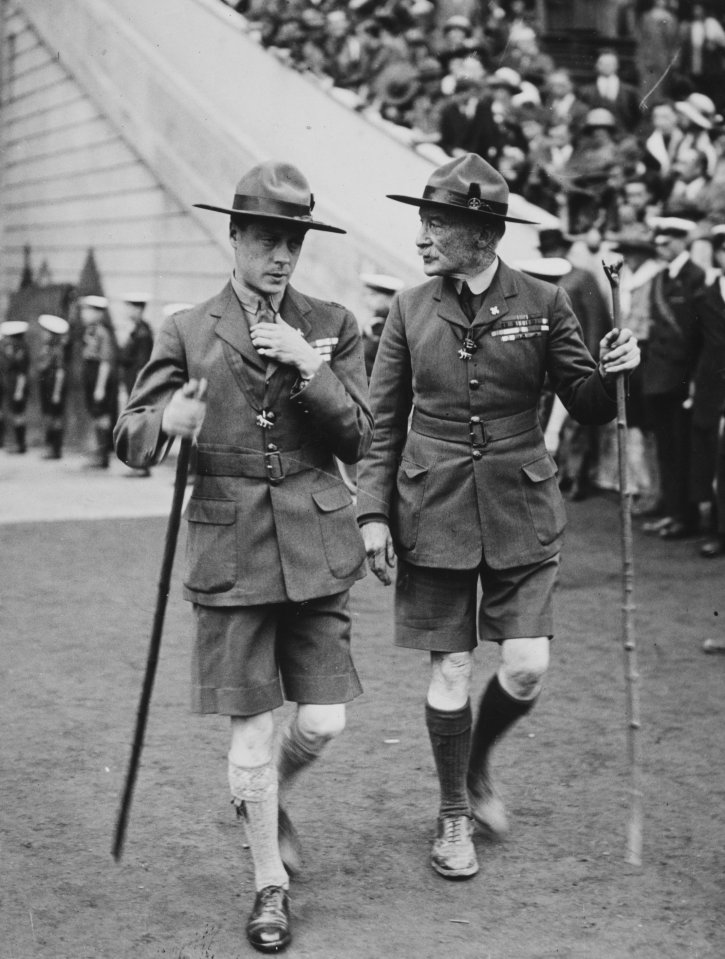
column 634, row 746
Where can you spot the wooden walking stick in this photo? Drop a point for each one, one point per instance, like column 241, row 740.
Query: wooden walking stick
column 172, row 534
column 634, row 746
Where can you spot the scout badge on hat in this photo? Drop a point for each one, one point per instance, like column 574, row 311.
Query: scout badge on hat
column 467, row 184
column 274, row 191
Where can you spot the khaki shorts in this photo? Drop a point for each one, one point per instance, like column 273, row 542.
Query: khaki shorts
column 248, row 659
column 435, row 609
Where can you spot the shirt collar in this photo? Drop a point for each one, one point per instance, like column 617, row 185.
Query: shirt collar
column 479, row 282
column 250, row 298
column 676, row 265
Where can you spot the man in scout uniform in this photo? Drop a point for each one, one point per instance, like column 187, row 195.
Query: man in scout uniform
column 53, row 381
column 273, row 545
column 470, row 492
column 16, row 366
column 100, row 375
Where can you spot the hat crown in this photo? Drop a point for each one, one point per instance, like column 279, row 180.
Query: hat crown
column 277, row 183
column 473, row 180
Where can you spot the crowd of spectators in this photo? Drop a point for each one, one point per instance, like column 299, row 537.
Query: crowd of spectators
column 457, row 76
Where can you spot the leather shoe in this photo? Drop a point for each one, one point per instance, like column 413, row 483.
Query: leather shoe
column 453, row 855
column 268, row 926
column 677, row 530
column 487, row 808
column 713, row 548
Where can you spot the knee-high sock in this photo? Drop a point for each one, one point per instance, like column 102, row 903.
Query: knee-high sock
column 296, row 751
column 498, row 711
column 450, row 737
column 254, row 793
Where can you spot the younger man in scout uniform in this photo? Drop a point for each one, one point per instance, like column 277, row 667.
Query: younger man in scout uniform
column 469, row 492
column 53, row 381
column 273, row 545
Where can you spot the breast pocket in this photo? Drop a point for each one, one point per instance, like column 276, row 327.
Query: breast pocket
column 211, row 549
column 341, row 538
column 412, row 479
column 546, row 506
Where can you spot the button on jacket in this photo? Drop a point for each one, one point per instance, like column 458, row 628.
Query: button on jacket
column 270, row 519
column 472, row 478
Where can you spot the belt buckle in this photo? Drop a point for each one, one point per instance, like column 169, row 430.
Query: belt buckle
column 476, row 426
column 275, row 469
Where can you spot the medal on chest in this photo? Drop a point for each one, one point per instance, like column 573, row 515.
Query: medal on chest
column 265, row 419
column 468, row 348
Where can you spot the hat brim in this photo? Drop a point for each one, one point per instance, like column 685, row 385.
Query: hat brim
column 479, row 214
column 307, row 224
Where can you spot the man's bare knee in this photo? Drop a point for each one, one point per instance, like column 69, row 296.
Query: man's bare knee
column 321, row 722
column 524, row 663
column 450, row 680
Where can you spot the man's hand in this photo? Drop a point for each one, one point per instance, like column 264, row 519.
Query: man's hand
column 379, row 549
column 185, row 411
column 618, row 352
column 282, row 342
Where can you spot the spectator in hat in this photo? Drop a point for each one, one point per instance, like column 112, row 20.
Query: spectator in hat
column 136, row 351
column 465, row 491
column 14, row 372
column 667, row 374
column 575, row 444
column 380, row 288
column 610, row 92
column 273, row 547
column 708, row 409
column 641, row 264
column 100, row 376
column 504, row 85
column 428, row 103
column 589, row 176
column 660, row 148
column 53, row 381
column 695, row 126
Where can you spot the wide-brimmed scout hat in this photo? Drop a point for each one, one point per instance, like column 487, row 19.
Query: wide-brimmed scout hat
column 13, row 327
column 53, row 324
column 274, row 191
column 467, row 184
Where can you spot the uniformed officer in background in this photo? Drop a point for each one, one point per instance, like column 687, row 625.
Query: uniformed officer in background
column 15, row 370
column 53, row 381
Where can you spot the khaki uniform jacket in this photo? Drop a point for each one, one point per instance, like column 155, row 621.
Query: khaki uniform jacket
column 472, row 479
column 270, row 519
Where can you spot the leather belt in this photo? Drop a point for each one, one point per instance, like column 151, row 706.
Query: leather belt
column 273, row 465
column 476, row 431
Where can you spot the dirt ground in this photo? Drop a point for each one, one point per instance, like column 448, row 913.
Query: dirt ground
column 75, row 615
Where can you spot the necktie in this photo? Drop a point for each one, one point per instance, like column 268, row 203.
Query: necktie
column 467, row 299
column 265, row 313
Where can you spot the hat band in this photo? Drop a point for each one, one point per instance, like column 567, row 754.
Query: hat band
column 465, row 200
column 263, row 204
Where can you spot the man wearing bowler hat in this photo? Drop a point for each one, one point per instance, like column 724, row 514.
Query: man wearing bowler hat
column 273, row 545
column 469, row 493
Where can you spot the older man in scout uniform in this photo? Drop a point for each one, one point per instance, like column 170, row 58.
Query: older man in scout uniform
column 273, row 544
column 470, row 492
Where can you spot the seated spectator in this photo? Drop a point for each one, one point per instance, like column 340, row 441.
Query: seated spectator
column 637, row 206
column 562, row 102
column 612, row 93
column 588, row 176
column 549, row 156
column 524, row 55
column 695, row 117
column 503, row 86
column 660, row 148
column 428, row 103
column 467, row 124
column 690, row 178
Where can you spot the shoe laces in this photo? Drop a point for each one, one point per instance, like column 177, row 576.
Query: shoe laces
column 271, row 900
column 454, row 829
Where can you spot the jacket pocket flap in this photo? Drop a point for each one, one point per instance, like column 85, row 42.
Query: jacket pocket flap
column 412, row 470
column 215, row 512
column 541, row 469
column 332, row 498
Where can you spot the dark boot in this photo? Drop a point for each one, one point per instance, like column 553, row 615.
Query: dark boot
column 20, row 446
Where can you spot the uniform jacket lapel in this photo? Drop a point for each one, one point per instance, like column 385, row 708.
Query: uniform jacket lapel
column 233, row 328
